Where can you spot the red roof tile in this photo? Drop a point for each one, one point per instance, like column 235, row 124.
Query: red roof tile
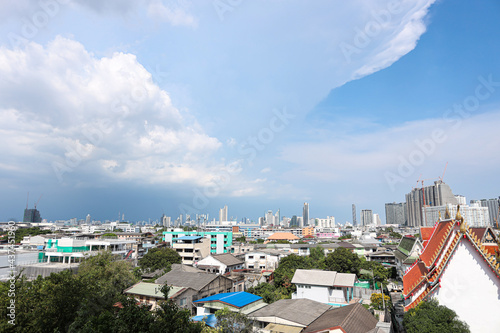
column 436, row 242
column 413, row 277
column 426, row 232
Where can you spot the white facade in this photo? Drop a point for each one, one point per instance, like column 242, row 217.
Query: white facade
column 471, row 289
column 474, row 215
column 329, row 222
column 261, row 260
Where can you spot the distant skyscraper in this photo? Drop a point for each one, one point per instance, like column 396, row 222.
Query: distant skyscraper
column 305, row 214
column 492, row 205
column 438, row 194
column 165, row 221
column 269, row 217
column 32, row 215
column 395, row 213
column 294, row 222
column 223, row 214
column 88, row 219
column 376, row 219
column 366, row 217
column 354, row 222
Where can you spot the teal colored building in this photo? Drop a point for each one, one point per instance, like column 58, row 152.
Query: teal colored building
column 220, row 241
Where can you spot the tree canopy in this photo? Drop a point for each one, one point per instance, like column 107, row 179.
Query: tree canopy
column 159, row 258
column 87, row 302
column 430, row 317
column 343, row 260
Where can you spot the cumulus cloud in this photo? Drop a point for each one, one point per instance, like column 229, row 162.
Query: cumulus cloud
column 80, row 115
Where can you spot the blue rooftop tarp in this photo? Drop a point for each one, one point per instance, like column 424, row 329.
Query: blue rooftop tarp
column 238, row 299
column 189, row 237
column 210, row 319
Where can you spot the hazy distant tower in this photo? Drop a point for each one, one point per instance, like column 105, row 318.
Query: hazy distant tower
column 354, row 222
column 305, row 215
column 223, row 214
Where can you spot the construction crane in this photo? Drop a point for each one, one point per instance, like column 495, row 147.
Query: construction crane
column 36, row 203
column 441, row 178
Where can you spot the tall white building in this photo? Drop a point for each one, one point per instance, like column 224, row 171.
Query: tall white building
column 88, row 219
column 474, row 215
column 329, row 222
column 223, row 214
column 366, row 217
column 461, row 199
column 376, row 219
column 305, row 215
column 165, row 221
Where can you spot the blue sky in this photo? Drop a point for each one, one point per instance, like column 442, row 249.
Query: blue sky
column 169, row 106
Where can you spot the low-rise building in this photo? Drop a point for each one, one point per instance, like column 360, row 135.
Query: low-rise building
column 241, row 302
column 192, row 249
column 220, row 263
column 288, row 315
column 336, row 289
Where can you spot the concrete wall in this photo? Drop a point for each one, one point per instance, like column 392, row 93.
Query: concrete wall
column 471, row 289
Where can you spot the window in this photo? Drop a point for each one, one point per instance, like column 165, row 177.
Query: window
column 250, row 257
column 262, row 257
column 182, row 301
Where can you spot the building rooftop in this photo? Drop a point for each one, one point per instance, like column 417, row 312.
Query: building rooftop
column 227, row 259
column 323, row 278
column 283, row 236
column 300, row 311
column 237, row 299
column 353, row 318
column 192, row 280
column 151, row 290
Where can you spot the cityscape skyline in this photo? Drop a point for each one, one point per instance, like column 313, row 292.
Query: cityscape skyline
column 174, row 107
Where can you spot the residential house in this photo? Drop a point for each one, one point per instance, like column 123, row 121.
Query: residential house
column 151, row 294
column 384, row 256
column 324, row 286
column 266, row 259
column 285, row 236
column 241, row 302
column 201, row 284
column 407, row 252
column 288, row 315
column 354, row 318
column 460, row 272
column 220, row 263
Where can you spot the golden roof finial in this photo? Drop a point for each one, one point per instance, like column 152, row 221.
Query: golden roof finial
column 447, row 214
column 439, row 215
column 460, row 218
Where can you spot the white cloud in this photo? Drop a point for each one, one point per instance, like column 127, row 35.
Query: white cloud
column 176, row 14
column 95, row 117
column 364, row 160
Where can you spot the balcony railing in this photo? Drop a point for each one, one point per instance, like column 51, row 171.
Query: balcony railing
column 336, row 300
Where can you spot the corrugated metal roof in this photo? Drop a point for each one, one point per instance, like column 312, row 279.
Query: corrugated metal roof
column 151, row 290
column 314, row 277
column 237, row 299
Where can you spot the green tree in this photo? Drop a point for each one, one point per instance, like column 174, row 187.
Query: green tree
column 380, row 273
column 269, row 292
column 284, row 273
column 241, row 239
column 159, row 258
column 377, row 303
column 347, row 236
column 343, row 260
column 317, row 257
column 109, row 234
column 430, row 317
column 232, row 322
column 171, row 319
